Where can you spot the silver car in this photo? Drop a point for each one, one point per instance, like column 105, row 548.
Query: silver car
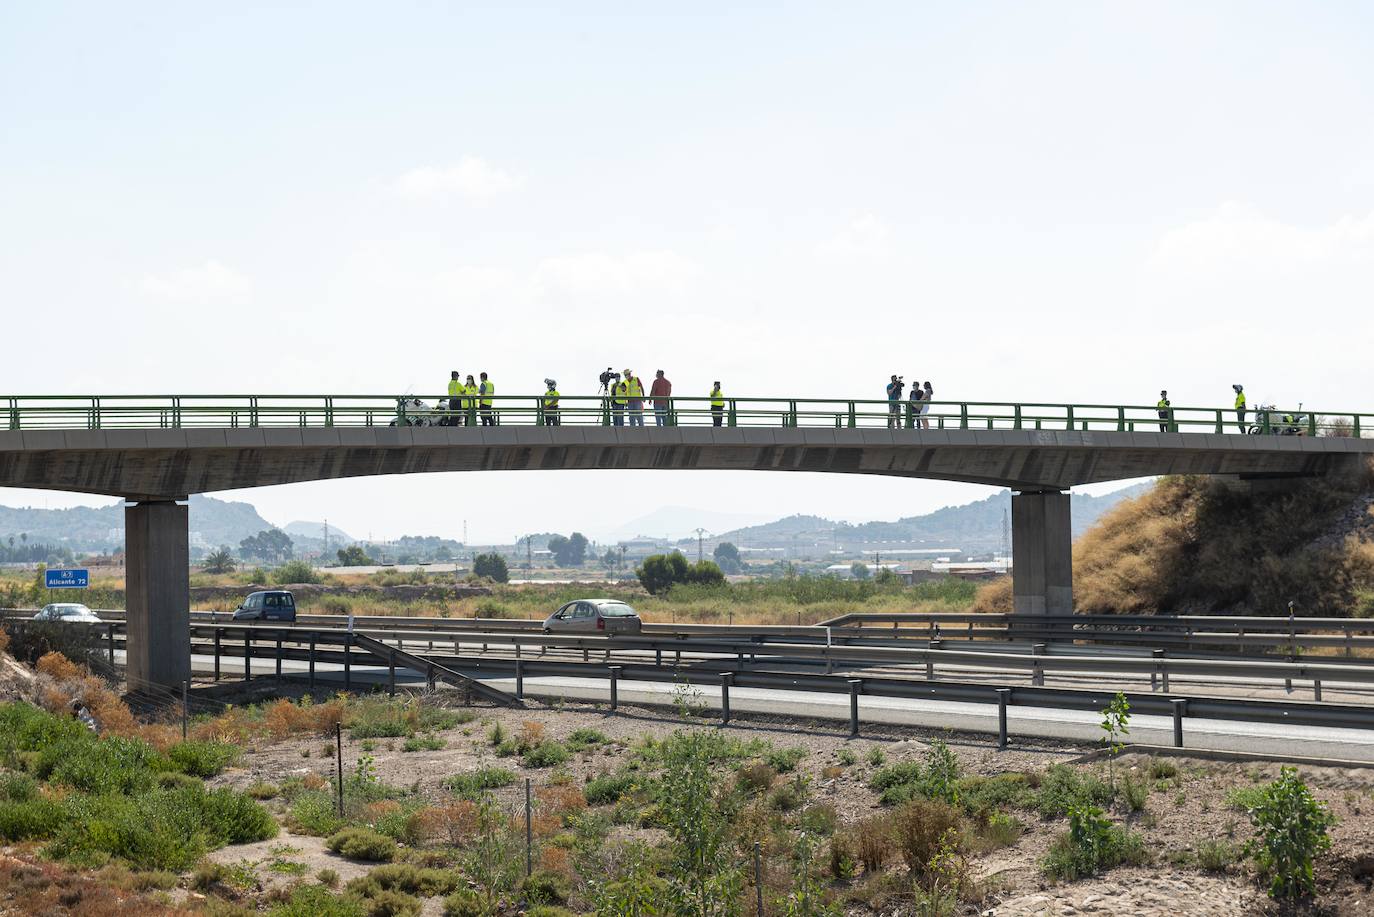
column 67, row 613
column 593, row 616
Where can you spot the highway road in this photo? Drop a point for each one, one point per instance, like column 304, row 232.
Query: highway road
column 1039, row 722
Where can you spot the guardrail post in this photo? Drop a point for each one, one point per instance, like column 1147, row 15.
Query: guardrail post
column 312, row 662
column 1154, row 673
column 328, row 411
column 658, row 658
column 615, row 679
column 1070, row 416
column 391, row 673
column 1180, row 706
column 1121, row 420
column 14, row 415
column 348, row 661
column 855, row 686
column 112, row 630
column 963, row 417
column 1219, row 430
column 725, row 679
column 730, row 421
column 853, row 418
column 519, row 678
column 429, row 681
column 1316, row 689
column 930, row 660
column 248, row 654
column 1037, row 673
column 1003, row 698
column 1355, row 427
column 279, row 655
column 216, row 654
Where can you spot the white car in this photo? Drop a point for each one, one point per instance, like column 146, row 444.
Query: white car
column 67, row 613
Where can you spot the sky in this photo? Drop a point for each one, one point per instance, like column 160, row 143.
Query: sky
column 1039, row 202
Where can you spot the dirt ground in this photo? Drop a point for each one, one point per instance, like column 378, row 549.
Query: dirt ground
column 1181, row 811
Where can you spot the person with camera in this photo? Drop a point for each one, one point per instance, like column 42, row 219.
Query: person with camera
column 661, row 393
column 634, row 391
column 894, row 401
column 550, row 404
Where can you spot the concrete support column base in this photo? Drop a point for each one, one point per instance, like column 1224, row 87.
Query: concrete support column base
column 157, row 594
column 1042, row 554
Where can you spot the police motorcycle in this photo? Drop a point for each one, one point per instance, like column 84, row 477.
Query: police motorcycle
column 1286, row 424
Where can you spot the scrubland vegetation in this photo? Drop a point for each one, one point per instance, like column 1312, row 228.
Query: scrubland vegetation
column 1193, row 545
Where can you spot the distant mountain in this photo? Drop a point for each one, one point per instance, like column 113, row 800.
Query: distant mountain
column 315, row 531
column 101, row 528
column 675, row 522
column 973, row 527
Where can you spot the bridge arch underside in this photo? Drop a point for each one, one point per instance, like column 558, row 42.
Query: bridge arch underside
column 134, row 465
column 154, row 468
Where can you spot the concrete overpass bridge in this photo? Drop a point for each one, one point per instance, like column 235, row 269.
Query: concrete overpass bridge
column 154, row 451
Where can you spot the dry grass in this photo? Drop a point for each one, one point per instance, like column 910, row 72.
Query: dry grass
column 1193, row 545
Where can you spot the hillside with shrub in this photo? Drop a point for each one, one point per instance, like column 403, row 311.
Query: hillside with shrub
column 1194, row 545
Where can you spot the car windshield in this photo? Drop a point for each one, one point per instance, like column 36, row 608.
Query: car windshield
column 72, row 611
column 616, row 610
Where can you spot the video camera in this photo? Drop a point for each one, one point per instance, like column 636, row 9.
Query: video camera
column 608, row 377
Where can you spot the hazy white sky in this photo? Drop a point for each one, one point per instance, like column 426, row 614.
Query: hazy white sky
column 1056, row 201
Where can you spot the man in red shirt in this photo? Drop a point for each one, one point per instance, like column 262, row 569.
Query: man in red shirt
column 661, row 391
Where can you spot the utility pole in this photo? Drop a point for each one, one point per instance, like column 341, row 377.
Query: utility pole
column 1006, row 534
column 700, row 533
column 326, row 537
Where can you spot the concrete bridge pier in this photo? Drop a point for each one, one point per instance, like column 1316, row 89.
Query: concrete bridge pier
column 157, row 587
column 1042, row 553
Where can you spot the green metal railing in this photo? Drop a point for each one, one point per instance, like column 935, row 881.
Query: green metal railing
column 141, row 412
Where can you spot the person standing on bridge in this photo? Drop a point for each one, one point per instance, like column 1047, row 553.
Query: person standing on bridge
column 1163, row 406
column 913, row 406
column 551, row 403
column 486, row 390
column 635, row 391
column 620, row 397
column 470, row 402
column 894, row 402
column 1240, row 405
column 717, row 404
column 661, row 392
column 455, row 400
column 926, row 398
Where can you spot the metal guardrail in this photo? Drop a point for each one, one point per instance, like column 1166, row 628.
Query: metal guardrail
column 112, row 412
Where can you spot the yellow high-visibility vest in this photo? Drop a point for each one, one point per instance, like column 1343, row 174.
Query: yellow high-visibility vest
column 634, row 388
column 551, row 399
column 1162, row 404
column 471, row 391
column 717, row 398
column 1240, row 400
column 455, row 388
column 622, row 392
column 488, row 391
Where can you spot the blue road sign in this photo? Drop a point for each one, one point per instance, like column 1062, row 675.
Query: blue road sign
column 68, row 579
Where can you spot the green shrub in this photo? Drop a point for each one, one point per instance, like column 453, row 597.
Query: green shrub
column 295, row 571
column 233, row 818
column 202, row 759
column 474, row 783
column 846, row 757
column 29, row 819
column 464, row 903
column 586, row 738
column 608, row 788
column 546, row 754
column 175, row 780
column 785, row 760
column 328, row 877
column 1091, row 845
column 17, row 787
column 1245, row 798
column 1162, row 768
column 424, row 743
column 392, row 904
column 1217, row 855
column 407, row 878
column 317, row 901
column 362, row 844
column 788, row 796
column 260, row 789
column 545, row 887
column 1000, row 830
column 549, row 910
column 818, row 820
column 1135, row 794
column 1290, row 830
column 981, row 796
column 112, row 764
column 755, row 777
column 314, row 812
column 1063, row 788
column 160, row 829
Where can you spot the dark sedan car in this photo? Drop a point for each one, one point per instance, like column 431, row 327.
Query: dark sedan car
column 276, row 605
column 593, row 616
